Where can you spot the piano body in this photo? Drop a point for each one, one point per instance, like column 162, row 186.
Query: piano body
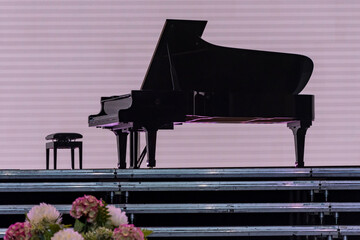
column 190, row 80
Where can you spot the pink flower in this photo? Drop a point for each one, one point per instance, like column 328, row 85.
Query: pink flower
column 67, row 234
column 18, row 231
column 117, row 217
column 43, row 213
column 128, row 232
column 87, row 207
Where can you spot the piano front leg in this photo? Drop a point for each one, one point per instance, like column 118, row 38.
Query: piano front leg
column 121, row 140
column 151, row 132
column 299, row 129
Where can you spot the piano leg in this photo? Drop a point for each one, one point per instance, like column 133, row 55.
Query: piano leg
column 299, row 129
column 121, row 140
column 151, row 145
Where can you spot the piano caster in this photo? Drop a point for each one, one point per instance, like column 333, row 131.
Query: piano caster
column 299, row 129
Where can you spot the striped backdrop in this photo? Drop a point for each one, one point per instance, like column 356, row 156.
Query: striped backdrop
column 57, row 58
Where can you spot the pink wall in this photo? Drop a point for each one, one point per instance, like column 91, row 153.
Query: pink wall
column 58, row 57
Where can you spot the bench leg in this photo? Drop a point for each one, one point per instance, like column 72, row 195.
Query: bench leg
column 72, row 159
column 55, row 156
column 80, row 156
column 47, row 158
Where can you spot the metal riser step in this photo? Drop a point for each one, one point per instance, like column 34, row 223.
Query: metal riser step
column 208, row 173
column 60, row 187
column 58, row 174
column 332, row 231
column 325, row 208
column 321, row 231
column 218, row 173
column 180, row 186
column 240, row 186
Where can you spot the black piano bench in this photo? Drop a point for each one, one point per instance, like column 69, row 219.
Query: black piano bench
column 63, row 141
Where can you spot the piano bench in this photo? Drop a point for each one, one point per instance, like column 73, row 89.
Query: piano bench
column 63, row 141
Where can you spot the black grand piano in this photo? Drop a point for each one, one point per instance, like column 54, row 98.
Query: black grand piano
column 190, row 80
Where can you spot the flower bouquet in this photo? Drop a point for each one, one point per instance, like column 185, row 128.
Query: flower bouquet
column 94, row 220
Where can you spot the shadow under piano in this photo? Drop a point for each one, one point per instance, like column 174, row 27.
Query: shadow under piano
column 219, row 203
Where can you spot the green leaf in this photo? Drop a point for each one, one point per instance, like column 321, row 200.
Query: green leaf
column 26, row 217
column 35, row 237
column 46, row 236
column 79, row 226
column 103, row 215
column 146, row 233
column 54, row 228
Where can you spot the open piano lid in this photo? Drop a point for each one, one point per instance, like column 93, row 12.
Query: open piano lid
column 184, row 61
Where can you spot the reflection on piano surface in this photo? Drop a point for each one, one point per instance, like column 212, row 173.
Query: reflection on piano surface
column 191, row 80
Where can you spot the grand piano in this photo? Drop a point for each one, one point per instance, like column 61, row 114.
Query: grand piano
column 190, row 80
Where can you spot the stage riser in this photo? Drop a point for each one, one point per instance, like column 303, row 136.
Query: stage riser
column 259, row 203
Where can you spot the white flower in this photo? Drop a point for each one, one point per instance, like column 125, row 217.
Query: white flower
column 44, row 213
column 67, row 234
column 116, row 216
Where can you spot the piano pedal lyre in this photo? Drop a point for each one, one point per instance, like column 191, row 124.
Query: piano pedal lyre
column 134, row 148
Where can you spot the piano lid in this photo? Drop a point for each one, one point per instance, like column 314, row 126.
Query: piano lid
column 184, row 61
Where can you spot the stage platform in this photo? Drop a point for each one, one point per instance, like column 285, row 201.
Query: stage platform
column 217, row 203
